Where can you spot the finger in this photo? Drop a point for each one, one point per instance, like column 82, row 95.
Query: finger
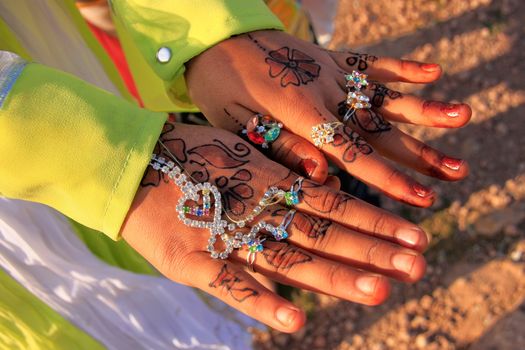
column 333, row 182
column 388, row 69
column 294, row 266
column 403, row 108
column 299, row 155
column 288, row 149
column 404, row 149
column 231, row 284
column 336, row 242
column 350, row 152
column 340, row 207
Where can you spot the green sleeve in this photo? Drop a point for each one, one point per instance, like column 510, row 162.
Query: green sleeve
column 74, row 147
column 186, row 28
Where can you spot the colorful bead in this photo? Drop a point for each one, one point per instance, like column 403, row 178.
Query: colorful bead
column 256, row 138
column 262, row 130
column 291, row 198
column 356, row 80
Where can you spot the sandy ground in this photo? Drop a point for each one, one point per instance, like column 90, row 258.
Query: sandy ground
column 473, row 296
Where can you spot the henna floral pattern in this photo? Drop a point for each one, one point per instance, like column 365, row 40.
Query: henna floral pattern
column 292, row 66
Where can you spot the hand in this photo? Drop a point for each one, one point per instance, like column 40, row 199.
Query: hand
column 337, row 245
column 302, row 85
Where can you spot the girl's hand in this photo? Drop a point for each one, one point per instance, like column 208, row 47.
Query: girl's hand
column 302, row 85
column 337, row 245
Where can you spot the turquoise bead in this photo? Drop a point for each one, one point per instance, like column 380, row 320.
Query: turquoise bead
column 272, row 134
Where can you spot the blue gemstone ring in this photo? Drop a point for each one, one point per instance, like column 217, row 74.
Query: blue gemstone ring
column 279, row 232
column 292, row 197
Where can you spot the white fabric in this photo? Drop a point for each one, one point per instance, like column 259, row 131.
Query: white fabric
column 11, row 66
column 120, row 309
column 322, row 14
column 50, row 36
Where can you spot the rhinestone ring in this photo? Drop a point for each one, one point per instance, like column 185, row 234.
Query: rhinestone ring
column 323, row 133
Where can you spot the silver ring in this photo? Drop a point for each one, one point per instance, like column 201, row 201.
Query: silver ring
column 254, row 246
column 279, row 232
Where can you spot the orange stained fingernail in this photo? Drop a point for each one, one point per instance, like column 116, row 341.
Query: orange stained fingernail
column 411, row 236
column 430, row 67
column 403, row 262
column 308, row 166
column 286, row 315
column 367, row 284
column 422, row 191
column 451, row 110
column 452, row 163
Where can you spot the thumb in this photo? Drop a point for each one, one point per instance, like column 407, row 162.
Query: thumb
column 300, row 156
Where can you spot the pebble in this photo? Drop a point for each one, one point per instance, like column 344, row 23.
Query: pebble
column 320, row 342
column 421, row 341
column 426, row 302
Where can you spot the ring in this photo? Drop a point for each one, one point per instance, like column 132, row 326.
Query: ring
column 323, row 133
column 254, row 246
column 356, row 80
column 262, row 130
column 292, row 197
column 355, row 100
column 280, row 232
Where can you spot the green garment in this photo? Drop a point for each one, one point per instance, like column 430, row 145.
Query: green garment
column 84, row 151
column 26, row 323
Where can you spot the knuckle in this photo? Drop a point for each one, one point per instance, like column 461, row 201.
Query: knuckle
column 394, row 178
column 286, row 149
column 405, row 66
column 380, row 223
column 430, row 158
column 334, row 274
column 371, row 253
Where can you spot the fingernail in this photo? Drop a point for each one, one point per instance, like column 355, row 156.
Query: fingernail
column 451, row 110
column 308, row 166
column 422, row 191
column 367, row 284
column 452, row 163
column 411, row 236
column 430, row 67
column 403, row 262
column 286, row 315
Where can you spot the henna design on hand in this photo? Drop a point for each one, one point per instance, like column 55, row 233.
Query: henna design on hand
column 230, row 281
column 380, row 91
column 284, row 256
column 365, row 119
column 360, row 60
column 316, row 226
column 235, row 120
column 293, row 66
column 353, row 142
column 206, row 159
column 312, row 199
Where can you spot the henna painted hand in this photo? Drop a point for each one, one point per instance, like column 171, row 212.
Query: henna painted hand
column 301, row 85
column 337, row 245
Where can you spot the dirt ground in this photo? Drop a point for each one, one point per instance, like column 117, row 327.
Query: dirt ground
column 473, row 296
